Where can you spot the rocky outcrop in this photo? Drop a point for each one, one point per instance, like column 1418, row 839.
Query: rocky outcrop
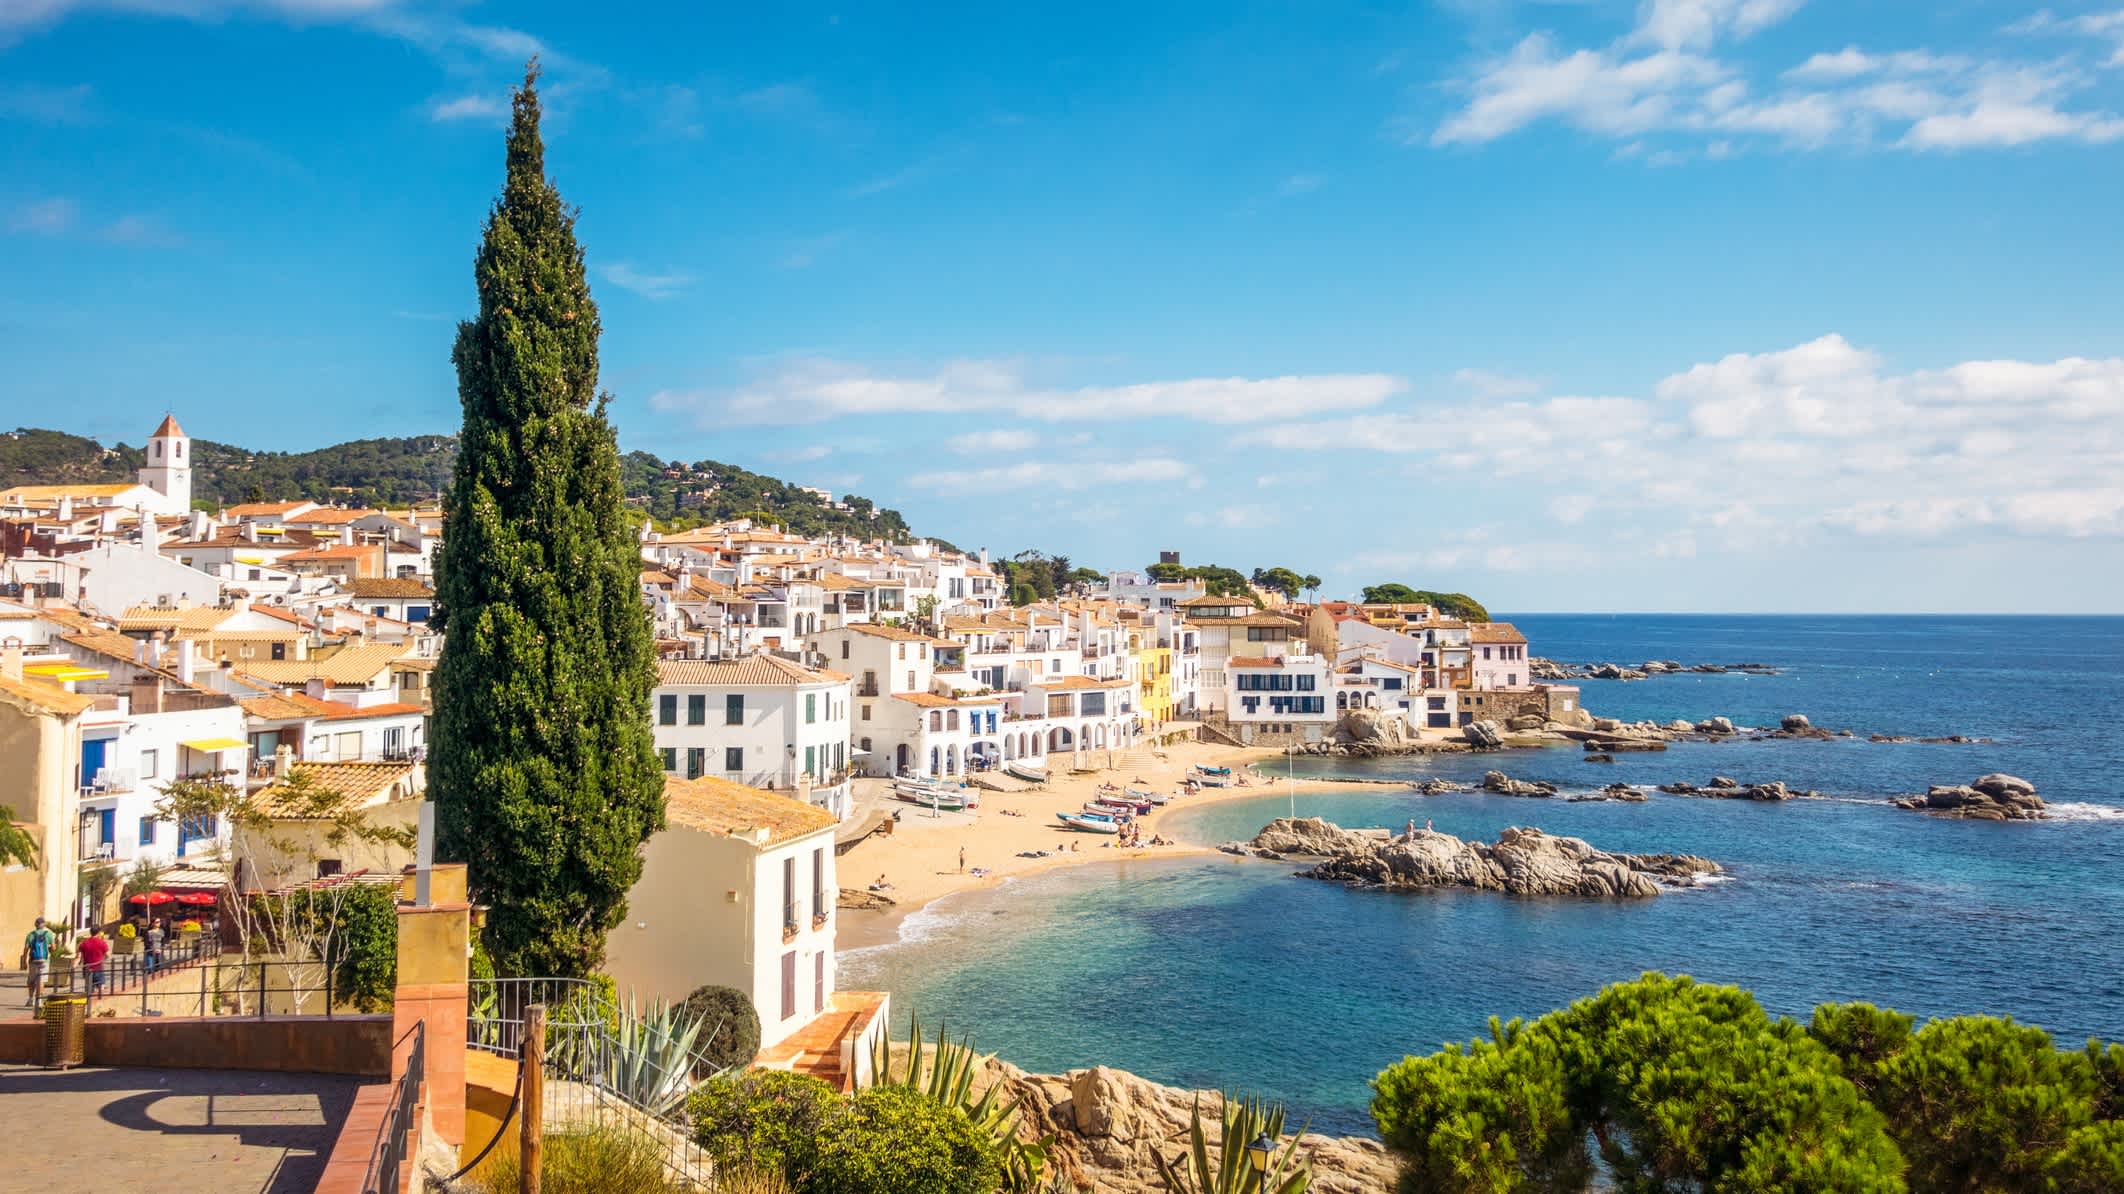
column 1549, row 669
column 1720, row 726
column 1989, row 798
column 1437, row 787
column 1521, row 862
column 1622, row 742
column 1724, row 787
column 1108, row 1124
column 1371, row 726
column 1505, row 785
column 1305, row 837
column 862, row 900
column 1795, row 721
column 1483, row 735
column 1622, row 792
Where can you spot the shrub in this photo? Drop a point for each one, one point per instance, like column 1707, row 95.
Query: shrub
column 768, row 1118
column 731, row 1032
column 590, row 1160
column 896, row 1141
column 752, row 1179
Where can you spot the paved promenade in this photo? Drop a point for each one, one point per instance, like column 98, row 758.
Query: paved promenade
column 170, row 1131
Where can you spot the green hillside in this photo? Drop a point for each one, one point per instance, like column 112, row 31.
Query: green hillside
column 396, row 472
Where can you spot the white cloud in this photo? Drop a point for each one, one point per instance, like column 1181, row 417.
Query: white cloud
column 469, row 107
column 999, row 440
column 1040, row 474
column 45, row 217
column 1666, row 79
column 647, row 283
column 1758, row 449
column 813, row 389
column 1496, row 385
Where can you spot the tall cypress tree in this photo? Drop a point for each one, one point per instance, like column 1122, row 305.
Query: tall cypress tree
column 542, row 766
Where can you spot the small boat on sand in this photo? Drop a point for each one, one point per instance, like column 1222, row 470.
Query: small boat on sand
column 1089, row 822
column 1206, row 769
column 932, row 796
column 1147, row 795
column 1032, row 773
column 1101, row 808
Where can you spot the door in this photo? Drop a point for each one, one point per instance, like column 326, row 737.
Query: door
column 788, row 984
column 92, row 754
column 107, row 827
column 818, row 981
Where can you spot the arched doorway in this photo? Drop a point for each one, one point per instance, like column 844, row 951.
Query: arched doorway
column 899, row 760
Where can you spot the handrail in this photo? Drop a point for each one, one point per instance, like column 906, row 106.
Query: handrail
column 388, row 1154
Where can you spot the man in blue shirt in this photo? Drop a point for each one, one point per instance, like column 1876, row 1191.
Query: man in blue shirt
column 37, row 959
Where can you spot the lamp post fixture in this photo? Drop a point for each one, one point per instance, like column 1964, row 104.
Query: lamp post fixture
column 1260, row 1154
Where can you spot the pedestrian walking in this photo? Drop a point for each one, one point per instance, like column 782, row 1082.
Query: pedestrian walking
column 154, row 939
column 37, row 959
column 94, row 949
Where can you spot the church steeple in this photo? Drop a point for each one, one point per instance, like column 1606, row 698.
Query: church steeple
column 169, row 465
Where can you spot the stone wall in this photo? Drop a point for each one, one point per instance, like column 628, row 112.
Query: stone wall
column 1550, row 702
column 297, row 1044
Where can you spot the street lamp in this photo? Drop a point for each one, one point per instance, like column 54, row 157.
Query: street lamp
column 1259, row 1154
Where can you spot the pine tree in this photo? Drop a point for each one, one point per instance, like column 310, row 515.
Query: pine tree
column 542, row 767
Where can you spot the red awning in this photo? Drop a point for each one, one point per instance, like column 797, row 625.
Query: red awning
column 152, row 898
column 197, row 899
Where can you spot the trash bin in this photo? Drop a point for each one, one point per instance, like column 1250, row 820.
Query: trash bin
column 65, row 1032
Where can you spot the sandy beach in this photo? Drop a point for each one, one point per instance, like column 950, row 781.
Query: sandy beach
column 921, row 859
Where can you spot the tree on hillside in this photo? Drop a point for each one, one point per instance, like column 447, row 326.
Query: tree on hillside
column 1281, row 580
column 1452, row 605
column 542, row 767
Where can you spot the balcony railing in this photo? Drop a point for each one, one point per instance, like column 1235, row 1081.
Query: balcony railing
column 868, row 688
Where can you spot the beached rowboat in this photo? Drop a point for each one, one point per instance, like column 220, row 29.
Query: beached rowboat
column 1089, row 822
column 1033, row 773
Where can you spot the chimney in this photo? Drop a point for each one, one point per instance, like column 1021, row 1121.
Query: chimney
column 11, row 658
column 66, row 508
column 315, row 687
column 140, row 650
column 346, row 535
column 154, row 650
column 147, row 693
column 150, row 534
column 184, row 660
column 200, row 523
column 250, row 531
column 283, row 759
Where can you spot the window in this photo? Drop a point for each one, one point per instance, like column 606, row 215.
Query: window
column 733, row 758
column 734, row 709
column 1305, row 683
column 696, row 761
column 347, row 747
column 818, row 882
column 811, row 708
column 811, row 760
column 789, row 899
column 936, row 722
column 147, row 763
column 667, row 709
column 818, row 981
column 951, row 719
column 844, row 648
column 910, row 682
column 1391, row 682
column 864, row 746
column 903, row 651
column 670, row 754
column 147, row 831
column 394, row 740
column 1092, row 704
column 866, row 711
column 696, row 708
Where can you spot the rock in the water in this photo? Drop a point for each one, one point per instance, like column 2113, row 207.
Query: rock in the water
column 1715, row 725
column 1371, row 726
column 1601, row 758
column 1303, row 837
column 1483, row 734
column 1724, row 781
column 1108, row 1124
column 1437, row 787
column 1989, row 798
column 862, row 900
column 1795, row 721
column 1522, row 862
column 1505, row 785
column 1618, row 791
column 1679, row 726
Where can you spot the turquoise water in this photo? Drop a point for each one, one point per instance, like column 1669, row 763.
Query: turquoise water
column 1223, row 972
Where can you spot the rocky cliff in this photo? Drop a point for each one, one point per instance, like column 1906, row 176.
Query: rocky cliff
column 1107, row 1123
column 1521, row 862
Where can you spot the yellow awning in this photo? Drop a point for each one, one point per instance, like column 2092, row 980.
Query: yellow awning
column 65, row 671
column 215, row 744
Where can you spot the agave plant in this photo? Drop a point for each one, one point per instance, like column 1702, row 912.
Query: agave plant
column 650, row 1059
column 945, row 1074
column 1233, row 1173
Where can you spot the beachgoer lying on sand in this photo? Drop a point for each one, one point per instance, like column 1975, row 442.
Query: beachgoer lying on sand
column 979, row 872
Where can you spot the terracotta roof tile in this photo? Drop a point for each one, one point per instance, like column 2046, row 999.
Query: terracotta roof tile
column 715, row 805
column 747, row 670
column 338, row 788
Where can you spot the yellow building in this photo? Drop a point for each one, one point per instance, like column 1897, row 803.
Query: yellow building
column 1154, row 680
column 40, row 744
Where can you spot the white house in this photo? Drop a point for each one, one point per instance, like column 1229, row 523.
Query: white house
column 1279, row 700
column 739, row 891
column 759, row 720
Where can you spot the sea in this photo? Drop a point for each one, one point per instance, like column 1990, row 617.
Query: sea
column 1227, row 973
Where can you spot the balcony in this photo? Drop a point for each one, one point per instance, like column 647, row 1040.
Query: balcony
column 868, row 688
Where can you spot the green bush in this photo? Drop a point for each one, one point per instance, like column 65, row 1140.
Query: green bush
column 593, row 1160
column 896, row 1141
column 728, row 1014
column 768, row 1118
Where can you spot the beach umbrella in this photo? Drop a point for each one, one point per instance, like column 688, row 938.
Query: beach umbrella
column 197, row 899
column 152, row 898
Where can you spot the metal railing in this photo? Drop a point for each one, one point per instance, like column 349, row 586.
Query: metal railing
column 389, row 1153
column 192, row 978
column 601, row 1072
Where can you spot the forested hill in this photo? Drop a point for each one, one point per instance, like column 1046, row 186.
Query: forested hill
column 393, row 472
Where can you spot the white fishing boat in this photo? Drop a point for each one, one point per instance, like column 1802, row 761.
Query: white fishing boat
column 1089, row 822
column 1213, row 779
column 1032, row 773
column 949, row 800
column 1145, row 794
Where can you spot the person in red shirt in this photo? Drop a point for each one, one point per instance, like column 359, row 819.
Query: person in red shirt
column 94, row 949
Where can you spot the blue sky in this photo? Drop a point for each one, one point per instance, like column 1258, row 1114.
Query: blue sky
column 1682, row 304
